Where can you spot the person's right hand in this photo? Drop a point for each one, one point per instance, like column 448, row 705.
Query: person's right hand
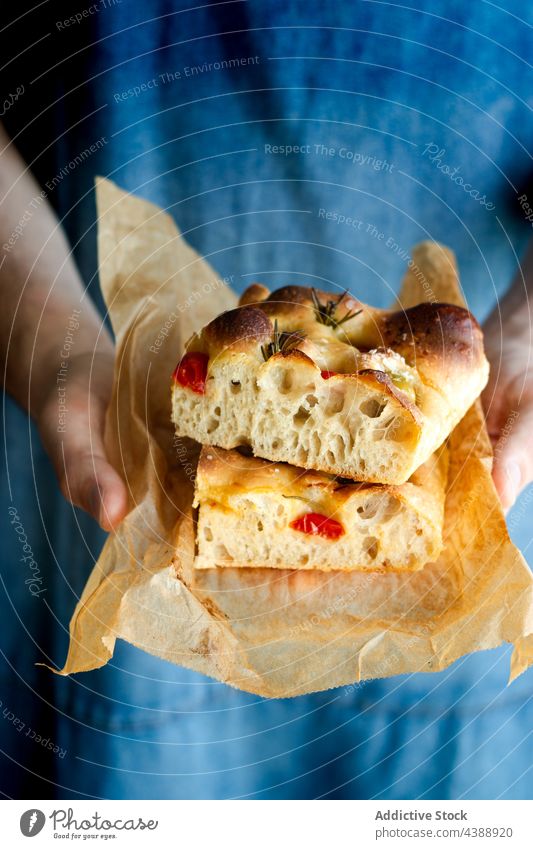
column 85, row 476
column 508, row 397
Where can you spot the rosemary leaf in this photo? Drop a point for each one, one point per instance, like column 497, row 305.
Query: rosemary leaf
column 325, row 313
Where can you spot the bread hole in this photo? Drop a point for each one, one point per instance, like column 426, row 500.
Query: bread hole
column 304, row 559
column 247, row 504
column 391, row 507
column 260, row 526
column 212, row 425
column 382, row 429
column 334, row 403
column 208, row 534
column 217, row 411
column 235, row 387
column 372, row 408
column 275, row 444
column 284, row 380
column 312, row 401
column 301, row 416
column 330, row 457
column 399, row 431
column 419, row 532
column 339, row 447
column 244, row 448
column 369, row 509
column 371, row 547
column 316, row 443
column 222, row 553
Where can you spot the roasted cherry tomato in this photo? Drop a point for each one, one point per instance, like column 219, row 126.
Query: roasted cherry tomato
column 327, row 374
column 191, row 371
column 318, row 525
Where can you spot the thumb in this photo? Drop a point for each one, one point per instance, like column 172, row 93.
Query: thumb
column 90, row 482
column 86, row 477
column 513, row 456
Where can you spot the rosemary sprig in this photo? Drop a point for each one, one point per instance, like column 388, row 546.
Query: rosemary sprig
column 282, row 342
column 325, row 313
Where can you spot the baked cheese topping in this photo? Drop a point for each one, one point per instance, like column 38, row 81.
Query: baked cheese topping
column 393, row 364
column 250, row 478
column 336, row 357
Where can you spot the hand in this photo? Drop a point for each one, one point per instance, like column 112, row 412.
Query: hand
column 85, row 476
column 508, row 398
column 41, row 287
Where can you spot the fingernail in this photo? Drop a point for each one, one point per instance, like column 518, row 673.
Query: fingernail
column 514, row 476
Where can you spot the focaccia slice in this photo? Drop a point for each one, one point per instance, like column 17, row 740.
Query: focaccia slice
column 255, row 513
column 325, row 382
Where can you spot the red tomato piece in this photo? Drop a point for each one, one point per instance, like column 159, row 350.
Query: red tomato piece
column 327, row 374
column 191, row 371
column 318, row 525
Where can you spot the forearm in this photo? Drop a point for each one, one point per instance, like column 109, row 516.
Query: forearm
column 41, row 288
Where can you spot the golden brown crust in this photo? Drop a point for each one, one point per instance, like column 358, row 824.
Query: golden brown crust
column 242, row 328
column 443, row 336
column 295, row 355
column 287, row 297
column 255, row 293
column 283, row 301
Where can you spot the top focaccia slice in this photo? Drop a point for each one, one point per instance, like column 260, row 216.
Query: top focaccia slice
column 322, row 381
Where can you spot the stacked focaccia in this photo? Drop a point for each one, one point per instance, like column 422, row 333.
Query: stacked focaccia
column 323, row 423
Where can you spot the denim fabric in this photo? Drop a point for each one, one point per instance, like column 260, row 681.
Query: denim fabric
column 404, row 94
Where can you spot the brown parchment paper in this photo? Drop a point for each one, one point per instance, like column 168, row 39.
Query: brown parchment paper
column 270, row 632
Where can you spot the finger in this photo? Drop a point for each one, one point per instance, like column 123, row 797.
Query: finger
column 85, row 476
column 513, row 457
column 91, row 483
column 113, row 505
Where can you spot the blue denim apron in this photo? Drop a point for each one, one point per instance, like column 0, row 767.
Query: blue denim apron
column 292, row 141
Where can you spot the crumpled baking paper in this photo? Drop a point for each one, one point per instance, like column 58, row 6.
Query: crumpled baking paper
column 270, row 632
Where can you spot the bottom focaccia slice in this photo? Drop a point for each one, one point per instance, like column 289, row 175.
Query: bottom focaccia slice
column 255, row 513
